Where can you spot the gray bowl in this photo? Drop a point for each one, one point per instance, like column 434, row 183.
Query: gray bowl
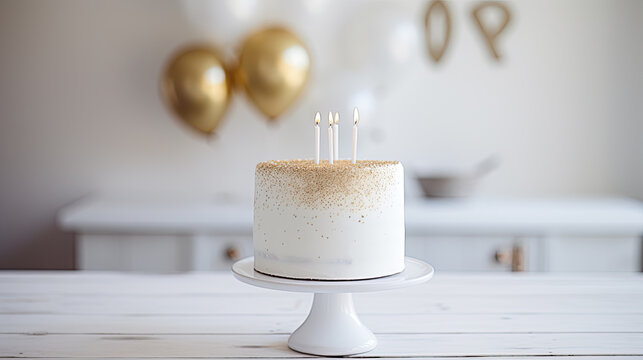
column 447, row 186
column 456, row 184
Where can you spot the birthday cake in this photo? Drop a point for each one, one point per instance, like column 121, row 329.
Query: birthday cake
column 341, row 221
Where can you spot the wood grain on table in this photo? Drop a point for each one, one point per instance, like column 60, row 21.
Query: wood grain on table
column 109, row 315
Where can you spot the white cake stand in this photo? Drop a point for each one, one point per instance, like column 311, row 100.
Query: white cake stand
column 332, row 327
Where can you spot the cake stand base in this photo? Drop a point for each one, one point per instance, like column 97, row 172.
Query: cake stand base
column 332, row 327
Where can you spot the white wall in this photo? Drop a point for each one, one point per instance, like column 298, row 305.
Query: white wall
column 80, row 111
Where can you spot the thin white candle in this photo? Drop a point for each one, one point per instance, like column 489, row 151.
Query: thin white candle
column 355, row 121
column 317, row 120
column 330, row 138
column 336, row 137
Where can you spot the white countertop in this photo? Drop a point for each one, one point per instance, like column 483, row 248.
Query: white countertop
column 605, row 216
column 209, row 316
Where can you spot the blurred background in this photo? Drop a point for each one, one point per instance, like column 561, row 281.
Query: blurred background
column 522, row 144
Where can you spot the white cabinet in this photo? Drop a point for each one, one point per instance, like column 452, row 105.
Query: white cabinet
column 477, row 235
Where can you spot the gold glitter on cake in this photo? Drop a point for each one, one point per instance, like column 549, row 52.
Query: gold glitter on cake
column 345, row 185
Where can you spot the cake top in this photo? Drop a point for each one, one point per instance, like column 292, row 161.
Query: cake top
column 323, row 166
column 340, row 185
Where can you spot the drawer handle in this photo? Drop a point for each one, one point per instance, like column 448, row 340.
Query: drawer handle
column 514, row 257
column 502, row 257
column 232, row 253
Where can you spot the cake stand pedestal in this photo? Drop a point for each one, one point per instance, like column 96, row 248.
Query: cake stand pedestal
column 332, row 327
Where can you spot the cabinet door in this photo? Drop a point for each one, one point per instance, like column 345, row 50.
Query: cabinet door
column 462, row 253
column 594, row 254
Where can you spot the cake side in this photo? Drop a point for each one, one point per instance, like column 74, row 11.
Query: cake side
column 334, row 222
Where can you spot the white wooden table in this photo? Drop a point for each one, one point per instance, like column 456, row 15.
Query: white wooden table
column 108, row 315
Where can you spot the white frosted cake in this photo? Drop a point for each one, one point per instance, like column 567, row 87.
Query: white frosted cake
column 338, row 221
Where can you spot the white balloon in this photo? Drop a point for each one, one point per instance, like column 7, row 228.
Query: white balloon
column 383, row 41
column 343, row 91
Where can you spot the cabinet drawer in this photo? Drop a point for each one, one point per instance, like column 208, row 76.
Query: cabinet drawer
column 161, row 253
column 594, row 254
column 462, row 253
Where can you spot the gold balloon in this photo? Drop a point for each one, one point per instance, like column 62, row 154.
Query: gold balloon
column 273, row 68
column 196, row 86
